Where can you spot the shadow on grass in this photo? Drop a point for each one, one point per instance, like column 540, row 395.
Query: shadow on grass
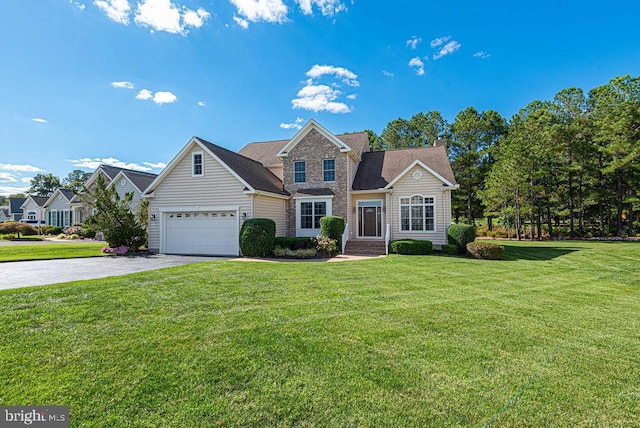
column 513, row 253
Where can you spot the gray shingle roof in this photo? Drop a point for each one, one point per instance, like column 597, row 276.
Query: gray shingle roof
column 378, row 169
column 15, row 204
column 325, row 191
column 68, row 193
column 40, row 200
column 142, row 180
column 251, row 171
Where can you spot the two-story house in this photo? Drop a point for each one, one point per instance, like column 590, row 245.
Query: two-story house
column 199, row 201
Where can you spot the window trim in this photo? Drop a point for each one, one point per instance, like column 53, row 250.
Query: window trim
column 424, row 218
column 304, row 171
column 325, row 170
column 32, row 215
column 193, row 164
column 298, row 213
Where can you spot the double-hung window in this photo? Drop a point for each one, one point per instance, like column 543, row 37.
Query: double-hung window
column 310, row 214
column 197, row 164
column 329, row 169
column 299, row 172
column 417, row 213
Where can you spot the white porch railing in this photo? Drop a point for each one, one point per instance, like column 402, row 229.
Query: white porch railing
column 387, row 238
column 345, row 236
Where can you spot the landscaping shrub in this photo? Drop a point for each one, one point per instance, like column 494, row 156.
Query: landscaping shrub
column 14, row 227
column 302, row 253
column 50, row 230
column 332, row 227
column 411, row 247
column 460, row 235
column 485, row 250
column 87, row 232
column 257, row 236
column 294, row 243
column 326, row 245
column 449, row 249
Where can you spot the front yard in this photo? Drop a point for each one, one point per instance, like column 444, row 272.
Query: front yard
column 548, row 337
column 47, row 251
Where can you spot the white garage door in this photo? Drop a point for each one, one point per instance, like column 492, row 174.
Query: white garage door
column 209, row 233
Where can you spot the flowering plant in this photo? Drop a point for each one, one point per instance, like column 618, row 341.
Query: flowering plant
column 120, row 251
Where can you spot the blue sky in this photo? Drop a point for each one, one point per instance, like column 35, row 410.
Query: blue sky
column 129, row 82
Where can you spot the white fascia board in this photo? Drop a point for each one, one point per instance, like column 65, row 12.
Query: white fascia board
column 225, row 166
column 315, row 197
column 284, row 152
column 420, row 163
column 120, row 175
column 170, row 167
column 363, row 192
column 195, row 208
column 263, row 193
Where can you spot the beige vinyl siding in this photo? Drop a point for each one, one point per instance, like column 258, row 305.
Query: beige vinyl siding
column 353, row 226
column 429, row 186
column 216, row 188
column 276, row 170
column 273, row 208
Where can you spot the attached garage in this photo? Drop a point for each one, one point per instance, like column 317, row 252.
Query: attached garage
column 200, row 232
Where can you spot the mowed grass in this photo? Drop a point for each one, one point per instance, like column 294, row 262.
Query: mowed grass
column 44, row 251
column 548, row 337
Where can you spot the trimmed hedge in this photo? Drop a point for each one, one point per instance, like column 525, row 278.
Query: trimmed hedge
column 449, row 249
column 257, row 236
column 485, row 250
column 293, row 243
column 332, row 227
column 14, row 227
column 50, row 230
column 460, row 235
column 411, row 247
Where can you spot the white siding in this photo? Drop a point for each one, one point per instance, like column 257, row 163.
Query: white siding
column 273, row 208
column 32, row 206
column 428, row 185
column 125, row 188
column 216, row 188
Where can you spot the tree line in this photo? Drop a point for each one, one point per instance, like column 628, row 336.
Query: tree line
column 567, row 166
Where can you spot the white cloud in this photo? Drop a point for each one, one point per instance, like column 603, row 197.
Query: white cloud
column 439, row 41
column 26, row 180
column 144, row 94
column 122, row 85
column 164, row 98
column 163, row 15
column 116, row 10
column 274, row 11
column 202, row 103
column 78, row 5
column 319, row 98
column 8, row 190
column 413, row 42
column 352, row 96
column 93, row 163
column 447, row 49
column 8, row 177
column 348, row 77
column 39, row 120
column 481, row 55
column 20, row 168
column 327, row 7
column 417, row 62
column 297, row 124
column 387, row 73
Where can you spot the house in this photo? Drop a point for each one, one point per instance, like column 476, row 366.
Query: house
column 15, row 212
column 4, row 213
column 58, row 209
column 198, row 202
column 121, row 179
column 33, row 208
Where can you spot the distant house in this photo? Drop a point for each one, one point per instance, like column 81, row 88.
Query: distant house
column 33, row 208
column 199, row 201
column 15, row 210
column 58, row 208
column 4, row 213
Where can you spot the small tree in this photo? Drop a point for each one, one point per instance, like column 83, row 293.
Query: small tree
column 10, row 227
column 114, row 217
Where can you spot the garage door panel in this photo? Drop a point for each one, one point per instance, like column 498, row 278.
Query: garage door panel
column 209, row 233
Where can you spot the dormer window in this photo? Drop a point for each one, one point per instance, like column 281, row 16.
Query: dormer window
column 299, row 172
column 197, row 165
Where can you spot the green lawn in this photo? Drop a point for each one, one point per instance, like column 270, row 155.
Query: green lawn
column 20, row 251
column 548, row 337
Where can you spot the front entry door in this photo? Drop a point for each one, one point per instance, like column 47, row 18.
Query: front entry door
column 370, row 219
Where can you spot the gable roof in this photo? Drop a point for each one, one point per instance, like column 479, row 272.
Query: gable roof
column 140, row 180
column 39, row 200
column 15, row 204
column 311, row 125
column 67, row 193
column 266, row 152
column 249, row 172
column 380, row 169
column 5, row 211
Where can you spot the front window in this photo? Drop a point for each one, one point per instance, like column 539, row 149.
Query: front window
column 417, row 213
column 66, row 218
column 197, row 164
column 310, row 214
column 329, row 169
column 31, row 215
column 299, row 172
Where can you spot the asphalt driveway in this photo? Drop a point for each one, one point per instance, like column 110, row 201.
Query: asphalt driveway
column 43, row 272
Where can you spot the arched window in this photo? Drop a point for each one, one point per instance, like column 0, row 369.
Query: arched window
column 417, row 213
column 31, row 215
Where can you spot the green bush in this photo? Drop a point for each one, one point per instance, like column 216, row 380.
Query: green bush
column 13, row 227
column 257, row 236
column 460, row 235
column 449, row 249
column 332, row 227
column 50, row 230
column 302, row 253
column 294, row 243
column 411, row 247
column 485, row 250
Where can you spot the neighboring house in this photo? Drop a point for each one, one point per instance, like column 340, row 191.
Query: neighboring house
column 4, row 213
column 33, row 208
column 122, row 179
column 15, row 212
column 58, row 207
column 199, row 201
